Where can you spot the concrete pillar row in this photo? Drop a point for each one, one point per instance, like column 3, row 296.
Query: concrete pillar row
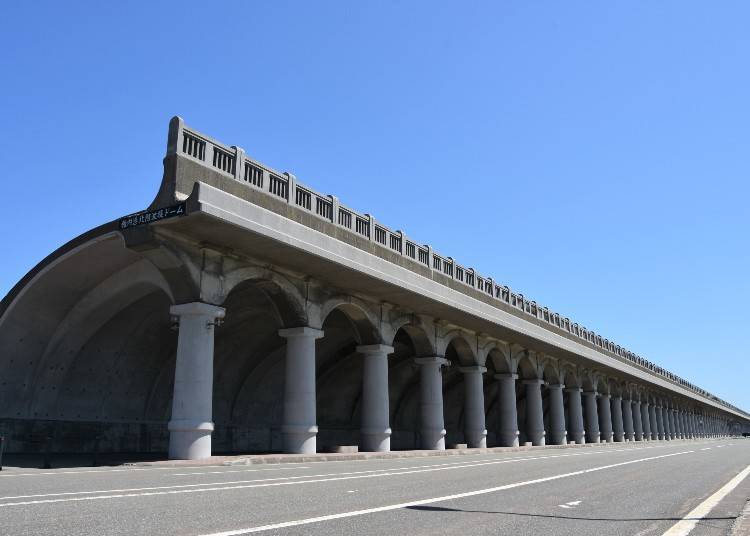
column 660, row 432
column 627, row 420
column 680, row 418
column 475, row 430
column 672, row 424
column 668, row 423
column 575, row 415
column 534, row 412
column 592, row 417
column 605, row 418
column 618, row 426
column 638, row 421
column 558, row 433
column 299, row 428
column 693, row 427
column 376, row 430
column 191, row 424
column 653, row 422
column 507, row 434
column 432, row 423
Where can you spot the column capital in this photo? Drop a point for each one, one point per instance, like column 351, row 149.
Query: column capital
column 556, row 386
column 506, row 375
column 301, row 332
column 473, row 369
column 591, row 392
column 197, row 309
column 436, row 359
column 375, row 349
column 573, row 390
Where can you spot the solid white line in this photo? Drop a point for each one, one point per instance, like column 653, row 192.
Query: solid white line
column 688, row 523
column 256, row 483
column 11, row 474
column 286, row 524
column 240, row 471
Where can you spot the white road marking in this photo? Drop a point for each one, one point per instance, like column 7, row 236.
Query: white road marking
column 286, row 524
column 708, row 448
column 350, row 474
column 11, row 474
column 260, row 483
column 240, row 471
column 688, row 523
column 571, row 504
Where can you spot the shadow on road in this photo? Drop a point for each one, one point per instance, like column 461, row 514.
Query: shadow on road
column 574, row 518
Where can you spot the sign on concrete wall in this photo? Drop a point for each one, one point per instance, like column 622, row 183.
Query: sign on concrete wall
column 151, row 216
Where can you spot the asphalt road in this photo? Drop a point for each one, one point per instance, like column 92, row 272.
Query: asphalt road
column 620, row 489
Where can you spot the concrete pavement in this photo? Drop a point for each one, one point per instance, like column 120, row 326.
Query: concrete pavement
column 629, row 489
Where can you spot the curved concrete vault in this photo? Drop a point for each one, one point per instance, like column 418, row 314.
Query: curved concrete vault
column 264, row 317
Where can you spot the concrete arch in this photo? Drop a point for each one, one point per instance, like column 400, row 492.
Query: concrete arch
column 415, row 329
column 286, row 297
column 498, row 356
column 88, row 316
column 530, row 366
column 364, row 320
column 552, row 372
column 459, row 346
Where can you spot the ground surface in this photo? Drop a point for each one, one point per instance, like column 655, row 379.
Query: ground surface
column 628, row 489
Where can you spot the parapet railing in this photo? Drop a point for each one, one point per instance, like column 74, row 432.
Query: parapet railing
column 233, row 162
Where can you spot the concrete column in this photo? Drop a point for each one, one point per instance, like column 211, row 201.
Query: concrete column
column 432, row 429
column 693, row 425
column 638, row 430
column 618, row 427
column 660, row 432
column 376, row 429
column 475, row 431
column 605, row 418
column 575, row 416
column 679, row 431
column 627, row 420
column 507, row 434
column 558, row 435
column 665, row 420
column 685, row 425
column 672, row 425
column 299, row 428
column 191, row 424
column 534, row 412
column 592, row 417
column 652, row 422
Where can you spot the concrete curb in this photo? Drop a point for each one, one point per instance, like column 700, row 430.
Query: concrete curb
column 741, row 525
column 264, row 459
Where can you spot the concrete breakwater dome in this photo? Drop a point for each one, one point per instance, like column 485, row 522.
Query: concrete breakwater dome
column 245, row 312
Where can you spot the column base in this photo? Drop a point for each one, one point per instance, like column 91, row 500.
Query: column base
column 432, row 439
column 299, row 439
column 508, row 439
column 189, row 440
column 558, row 437
column 476, row 439
column 376, row 440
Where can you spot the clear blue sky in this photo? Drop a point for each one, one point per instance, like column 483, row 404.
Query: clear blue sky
column 593, row 157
